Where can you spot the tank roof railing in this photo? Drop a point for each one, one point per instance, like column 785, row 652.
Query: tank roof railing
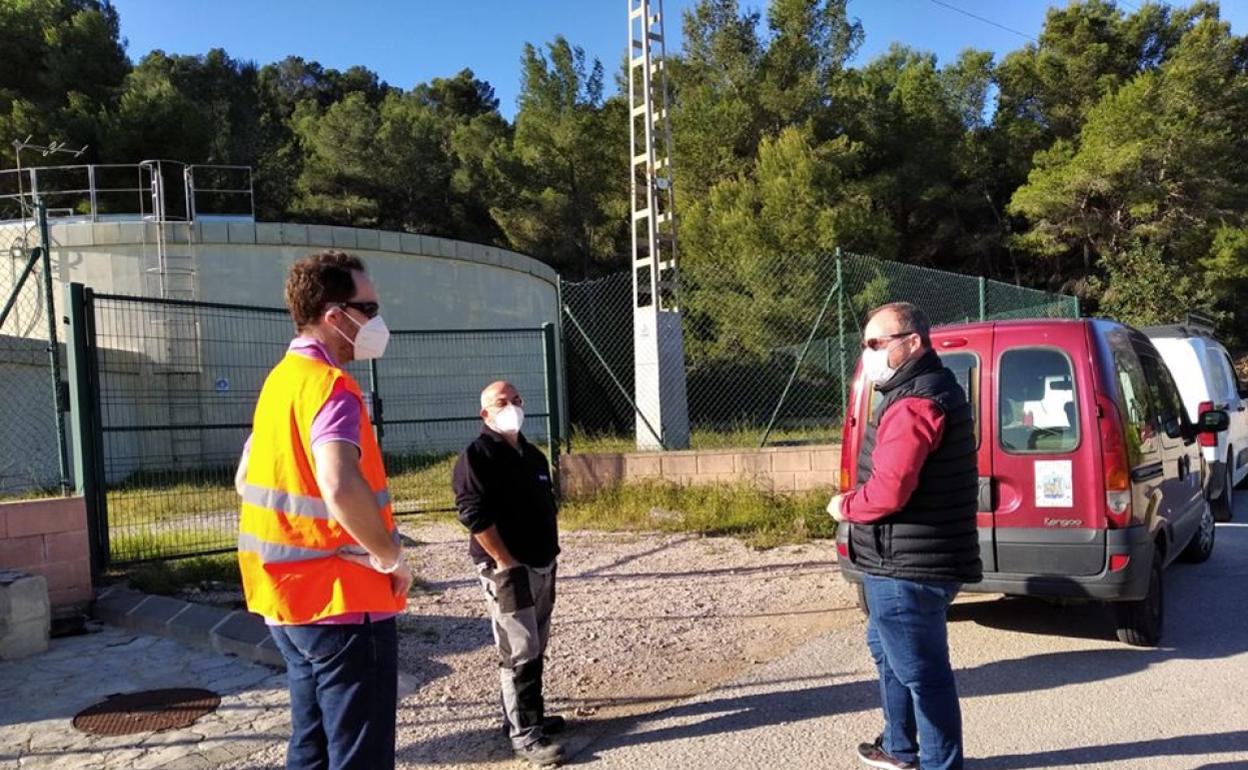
column 150, row 191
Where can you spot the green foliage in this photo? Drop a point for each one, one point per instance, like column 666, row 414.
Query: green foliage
column 1114, row 143
column 1140, row 287
column 564, row 180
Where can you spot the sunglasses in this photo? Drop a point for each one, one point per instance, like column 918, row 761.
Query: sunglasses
column 875, row 343
column 369, row 309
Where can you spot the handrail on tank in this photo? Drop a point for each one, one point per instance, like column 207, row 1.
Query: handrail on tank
column 91, row 192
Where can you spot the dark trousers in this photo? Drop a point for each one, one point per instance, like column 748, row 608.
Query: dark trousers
column 908, row 638
column 343, row 687
column 520, row 601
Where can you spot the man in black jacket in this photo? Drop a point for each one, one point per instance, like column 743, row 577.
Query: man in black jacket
column 506, row 499
column 913, row 536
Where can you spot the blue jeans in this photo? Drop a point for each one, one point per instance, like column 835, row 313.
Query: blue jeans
column 343, row 686
column 909, row 641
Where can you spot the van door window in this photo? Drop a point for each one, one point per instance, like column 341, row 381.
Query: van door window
column 1165, row 396
column 1138, row 414
column 1219, row 375
column 1036, row 405
column 965, row 367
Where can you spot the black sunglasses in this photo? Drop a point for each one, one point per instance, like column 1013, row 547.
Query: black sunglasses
column 369, row 309
column 875, row 343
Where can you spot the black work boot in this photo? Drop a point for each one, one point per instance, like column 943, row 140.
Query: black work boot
column 542, row 752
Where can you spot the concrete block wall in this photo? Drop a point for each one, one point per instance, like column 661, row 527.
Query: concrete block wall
column 49, row 538
column 781, row 469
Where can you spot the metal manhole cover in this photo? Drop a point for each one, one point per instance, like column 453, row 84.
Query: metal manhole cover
column 147, row 711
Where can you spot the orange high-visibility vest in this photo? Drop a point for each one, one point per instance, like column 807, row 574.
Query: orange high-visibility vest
column 288, row 542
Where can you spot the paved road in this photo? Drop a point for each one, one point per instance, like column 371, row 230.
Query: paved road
column 1043, row 686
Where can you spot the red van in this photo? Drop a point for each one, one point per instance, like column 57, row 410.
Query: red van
column 1091, row 477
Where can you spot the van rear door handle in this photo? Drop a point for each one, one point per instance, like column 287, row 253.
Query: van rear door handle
column 985, row 494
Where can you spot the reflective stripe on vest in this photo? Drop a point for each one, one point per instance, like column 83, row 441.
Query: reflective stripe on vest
column 279, row 553
column 298, row 505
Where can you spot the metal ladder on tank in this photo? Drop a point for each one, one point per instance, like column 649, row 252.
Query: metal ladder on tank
column 170, row 275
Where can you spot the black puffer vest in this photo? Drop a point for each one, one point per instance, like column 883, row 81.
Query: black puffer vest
column 934, row 537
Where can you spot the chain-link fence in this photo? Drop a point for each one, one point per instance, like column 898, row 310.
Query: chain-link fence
column 32, row 444
column 176, row 383
column 769, row 345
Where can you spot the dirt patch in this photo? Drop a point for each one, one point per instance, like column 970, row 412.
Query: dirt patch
column 640, row 620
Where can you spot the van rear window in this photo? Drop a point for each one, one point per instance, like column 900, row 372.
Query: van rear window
column 1036, row 404
column 965, row 367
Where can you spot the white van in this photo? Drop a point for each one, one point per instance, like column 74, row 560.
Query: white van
column 1207, row 380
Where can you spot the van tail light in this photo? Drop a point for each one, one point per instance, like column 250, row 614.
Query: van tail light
column 1206, row 439
column 849, row 445
column 1117, row 467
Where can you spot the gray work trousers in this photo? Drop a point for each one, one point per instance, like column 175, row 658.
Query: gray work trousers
column 520, row 601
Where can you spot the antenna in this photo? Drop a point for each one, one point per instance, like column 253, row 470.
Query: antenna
column 44, row 150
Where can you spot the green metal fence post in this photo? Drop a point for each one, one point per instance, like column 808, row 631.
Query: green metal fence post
column 374, row 398
column 83, row 404
column 1074, row 302
column 54, row 348
column 553, row 423
column 840, row 331
column 983, row 298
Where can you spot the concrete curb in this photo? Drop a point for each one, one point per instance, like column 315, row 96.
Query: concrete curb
column 230, row 632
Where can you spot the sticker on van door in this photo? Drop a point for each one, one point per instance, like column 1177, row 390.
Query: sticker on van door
column 1054, row 484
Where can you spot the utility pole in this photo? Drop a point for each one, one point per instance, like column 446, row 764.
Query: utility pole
column 658, row 343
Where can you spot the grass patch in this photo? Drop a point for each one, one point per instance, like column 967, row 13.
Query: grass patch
column 170, row 543
column 421, row 482
column 169, row 577
column 762, row 519
column 736, row 437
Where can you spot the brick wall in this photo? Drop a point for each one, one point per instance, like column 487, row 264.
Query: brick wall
column 785, row 469
column 49, row 538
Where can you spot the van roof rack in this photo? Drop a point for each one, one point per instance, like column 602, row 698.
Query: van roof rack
column 1200, row 320
column 1193, row 327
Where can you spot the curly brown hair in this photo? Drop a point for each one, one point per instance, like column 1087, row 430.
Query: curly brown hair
column 318, row 280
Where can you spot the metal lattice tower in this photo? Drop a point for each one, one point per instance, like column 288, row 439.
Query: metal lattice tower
column 658, row 345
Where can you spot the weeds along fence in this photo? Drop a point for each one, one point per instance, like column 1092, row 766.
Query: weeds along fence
column 169, row 389
column 769, row 344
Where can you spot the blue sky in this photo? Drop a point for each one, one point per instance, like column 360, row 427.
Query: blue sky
column 410, row 41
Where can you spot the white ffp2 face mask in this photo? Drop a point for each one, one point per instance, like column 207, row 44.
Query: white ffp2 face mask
column 371, row 340
column 509, row 419
column 875, row 366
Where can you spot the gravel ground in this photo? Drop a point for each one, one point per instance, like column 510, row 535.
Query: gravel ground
column 641, row 622
column 1042, row 685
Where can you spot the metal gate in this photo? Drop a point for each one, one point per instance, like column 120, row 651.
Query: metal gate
column 163, row 393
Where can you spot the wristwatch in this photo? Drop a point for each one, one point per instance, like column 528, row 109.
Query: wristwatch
column 377, row 565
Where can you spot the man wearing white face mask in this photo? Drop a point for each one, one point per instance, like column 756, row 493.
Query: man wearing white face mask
column 913, row 536
column 318, row 550
column 505, row 497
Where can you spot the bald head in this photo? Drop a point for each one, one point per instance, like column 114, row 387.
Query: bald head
column 498, row 394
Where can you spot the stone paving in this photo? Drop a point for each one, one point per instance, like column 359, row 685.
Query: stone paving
column 40, row 695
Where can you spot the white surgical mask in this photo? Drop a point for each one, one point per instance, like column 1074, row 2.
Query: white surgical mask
column 875, row 366
column 509, row 419
column 371, row 340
